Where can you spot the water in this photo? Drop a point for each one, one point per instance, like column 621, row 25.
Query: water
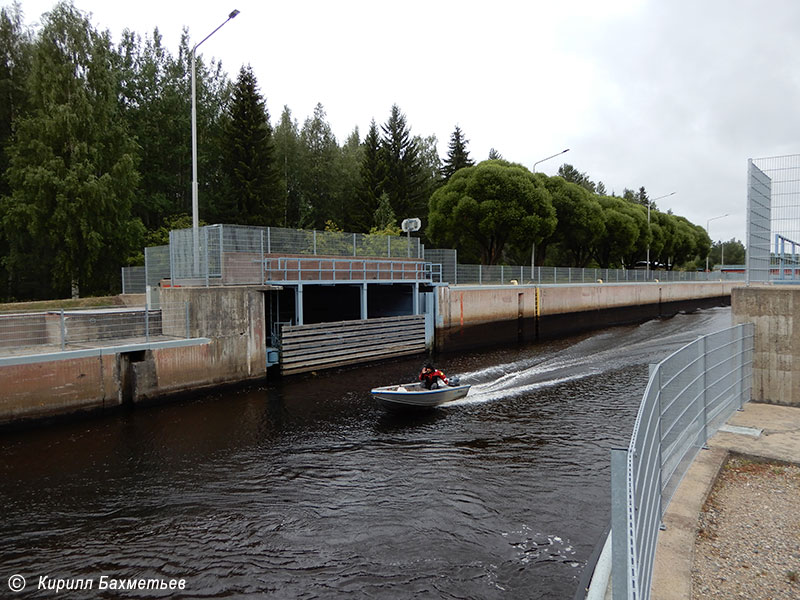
column 308, row 489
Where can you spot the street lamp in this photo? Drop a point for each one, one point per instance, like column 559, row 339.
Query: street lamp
column 195, row 218
column 548, row 158
column 649, row 204
column 708, row 231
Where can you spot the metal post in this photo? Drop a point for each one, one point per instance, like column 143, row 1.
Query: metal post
column 263, row 258
column 354, row 246
column 315, row 242
column 269, row 240
column 186, row 309
column 620, row 573
column 147, row 324
column 298, row 309
column 63, row 331
column 205, row 241
column 701, row 349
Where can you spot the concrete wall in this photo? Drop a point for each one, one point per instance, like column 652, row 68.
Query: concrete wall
column 776, row 357
column 474, row 316
column 231, row 321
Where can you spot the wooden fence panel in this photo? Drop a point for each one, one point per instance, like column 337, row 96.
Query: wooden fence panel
column 307, row 348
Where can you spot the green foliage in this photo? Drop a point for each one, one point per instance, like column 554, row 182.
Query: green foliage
column 733, row 251
column 318, row 180
column 404, row 179
column 572, row 175
column 73, row 164
column 287, row 152
column 484, row 208
column 371, row 185
column 580, row 221
column 251, row 193
column 457, row 154
column 622, row 229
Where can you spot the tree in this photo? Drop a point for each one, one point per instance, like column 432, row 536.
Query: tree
column 371, row 183
column 15, row 64
column 348, row 211
column 457, row 154
column 484, row 208
column 572, row 175
column 252, row 192
column 621, row 232
column 287, row 152
column 494, row 154
column 73, row 170
column 580, row 220
column 731, row 252
column 404, row 180
column 318, row 186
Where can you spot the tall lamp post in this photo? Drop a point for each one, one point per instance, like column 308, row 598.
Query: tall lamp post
column 708, row 231
column 548, row 158
column 649, row 204
column 533, row 246
column 195, row 217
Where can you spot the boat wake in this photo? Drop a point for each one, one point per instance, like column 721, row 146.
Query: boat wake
column 607, row 351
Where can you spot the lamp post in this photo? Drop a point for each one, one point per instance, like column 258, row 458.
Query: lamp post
column 533, row 246
column 548, row 158
column 708, row 231
column 195, row 218
column 649, row 204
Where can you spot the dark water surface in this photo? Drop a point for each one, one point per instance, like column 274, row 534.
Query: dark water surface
column 307, row 489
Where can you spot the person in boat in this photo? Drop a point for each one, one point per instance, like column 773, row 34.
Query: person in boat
column 430, row 377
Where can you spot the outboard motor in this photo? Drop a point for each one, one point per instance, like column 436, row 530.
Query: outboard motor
column 454, row 381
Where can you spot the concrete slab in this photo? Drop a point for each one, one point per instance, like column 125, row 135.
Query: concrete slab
column 779, row 440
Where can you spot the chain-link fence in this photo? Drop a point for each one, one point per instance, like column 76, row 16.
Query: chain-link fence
column 773, row 218
column 43, row 331
column 689, row 396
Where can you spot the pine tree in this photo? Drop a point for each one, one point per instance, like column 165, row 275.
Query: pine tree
column 494, row 154
column 73, row 171
column 457, row 155
column 252, row 194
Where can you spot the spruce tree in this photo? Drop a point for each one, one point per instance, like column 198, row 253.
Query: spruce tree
column 287, row 153
column 404, row 179
column 251, row 196
column 457, row 154
column 372, row 175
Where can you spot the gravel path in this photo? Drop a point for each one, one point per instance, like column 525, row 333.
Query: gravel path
column 748, row 543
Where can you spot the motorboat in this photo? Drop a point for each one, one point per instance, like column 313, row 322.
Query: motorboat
column 415, row 395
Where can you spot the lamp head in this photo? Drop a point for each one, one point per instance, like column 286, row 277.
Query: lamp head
column 234, row 12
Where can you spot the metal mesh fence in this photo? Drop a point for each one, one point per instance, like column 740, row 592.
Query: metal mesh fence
column 44, row 331
column 496, row 274
column 133, row 280
column 689, row 396
column 233, row 253
column 773, row 218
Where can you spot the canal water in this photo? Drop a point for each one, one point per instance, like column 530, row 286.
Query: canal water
column 307, row 489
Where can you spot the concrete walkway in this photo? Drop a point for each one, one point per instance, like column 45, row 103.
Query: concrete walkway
column 760, row 430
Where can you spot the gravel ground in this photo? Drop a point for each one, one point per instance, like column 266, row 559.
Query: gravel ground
column 748, row 542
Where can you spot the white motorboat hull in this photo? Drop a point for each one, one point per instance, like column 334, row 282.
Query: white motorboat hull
column 416, row 396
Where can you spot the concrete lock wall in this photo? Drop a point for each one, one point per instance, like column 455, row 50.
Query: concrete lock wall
column 474, row 316
column 232, row 320
column 776, row 352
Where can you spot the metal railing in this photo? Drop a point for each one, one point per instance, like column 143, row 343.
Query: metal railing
column 58, row 330
column 690, row 394
column 505, row 274
column 284, row 269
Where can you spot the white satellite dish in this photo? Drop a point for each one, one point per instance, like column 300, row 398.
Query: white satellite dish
column 409, row 225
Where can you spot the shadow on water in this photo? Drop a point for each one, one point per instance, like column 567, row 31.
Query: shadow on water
column 305, row 488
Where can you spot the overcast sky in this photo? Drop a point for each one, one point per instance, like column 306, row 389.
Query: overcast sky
column 673, row 95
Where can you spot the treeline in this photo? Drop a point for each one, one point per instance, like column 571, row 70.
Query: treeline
column 95, row 164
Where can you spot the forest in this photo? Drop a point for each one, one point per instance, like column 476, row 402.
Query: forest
column 95, row 165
